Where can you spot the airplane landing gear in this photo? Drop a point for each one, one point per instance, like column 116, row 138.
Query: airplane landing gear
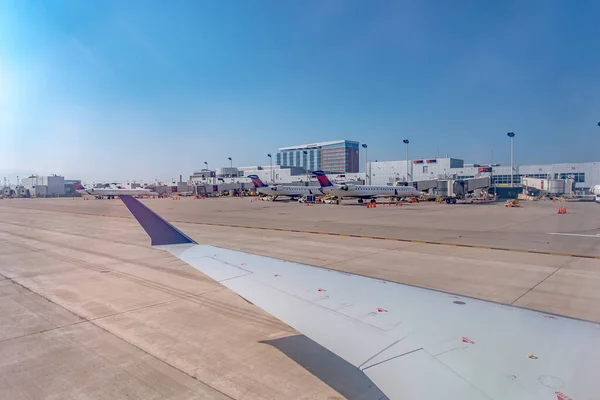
column 360, row 201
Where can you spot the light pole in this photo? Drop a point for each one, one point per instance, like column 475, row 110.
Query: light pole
column 206, row 163
column 271, row 165
column 405, row 141
column 511, row 135
column 230, row 167
column 367, row 177
column 305, row 161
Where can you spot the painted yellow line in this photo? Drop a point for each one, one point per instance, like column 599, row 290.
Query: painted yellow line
column 554, row 253
column 584, row 256
column 417, row 241
column 524, row 251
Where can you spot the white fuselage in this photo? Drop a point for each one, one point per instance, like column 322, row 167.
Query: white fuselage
column 112, row 192
column 595, row 189
column 290, row 191
column 367, row 191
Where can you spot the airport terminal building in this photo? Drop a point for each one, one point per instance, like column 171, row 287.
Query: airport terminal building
column 585, row 174
column 338, row 156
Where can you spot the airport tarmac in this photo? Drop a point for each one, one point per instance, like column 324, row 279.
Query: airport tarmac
column 88, row 310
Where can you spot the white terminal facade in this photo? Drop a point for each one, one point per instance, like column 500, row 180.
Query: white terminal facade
column 585, row 174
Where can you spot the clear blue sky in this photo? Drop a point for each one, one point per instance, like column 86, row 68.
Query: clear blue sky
column 117, row 90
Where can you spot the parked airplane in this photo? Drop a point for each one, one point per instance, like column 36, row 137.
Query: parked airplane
column 364, row 191
column 412, row 342
column 282, row 190
column 111, row 192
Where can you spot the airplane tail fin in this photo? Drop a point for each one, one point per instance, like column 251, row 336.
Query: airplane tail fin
column 322, row 178
column 160, row 231
column 256, row 180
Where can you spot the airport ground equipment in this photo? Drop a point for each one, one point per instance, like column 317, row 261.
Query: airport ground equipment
column 512, row 203
column 452, row 190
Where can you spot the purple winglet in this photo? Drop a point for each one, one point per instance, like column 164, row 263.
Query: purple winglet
column 160, row 231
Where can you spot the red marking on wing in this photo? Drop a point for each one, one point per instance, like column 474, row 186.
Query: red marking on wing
column 381, row 310
column 562, row 396
column 467, row 340
column 276, row 275
column 550, row 316
column 322, row 290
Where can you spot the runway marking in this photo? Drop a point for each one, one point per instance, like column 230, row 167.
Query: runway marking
column 597, row 235
column 417, row 241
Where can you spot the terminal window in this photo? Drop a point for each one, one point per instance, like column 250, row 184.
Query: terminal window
column 577, row 176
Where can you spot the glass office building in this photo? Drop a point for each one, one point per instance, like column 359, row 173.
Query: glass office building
column 337, row 156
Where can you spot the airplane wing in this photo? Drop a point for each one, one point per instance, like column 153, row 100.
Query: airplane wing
column 413, row 343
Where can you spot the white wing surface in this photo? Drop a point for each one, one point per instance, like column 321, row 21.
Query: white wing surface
column 414, row 343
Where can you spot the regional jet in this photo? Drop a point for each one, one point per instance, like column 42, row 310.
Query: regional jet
column 412, row 342
column 363, row 192
column 112, row 192
column 282, row 190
